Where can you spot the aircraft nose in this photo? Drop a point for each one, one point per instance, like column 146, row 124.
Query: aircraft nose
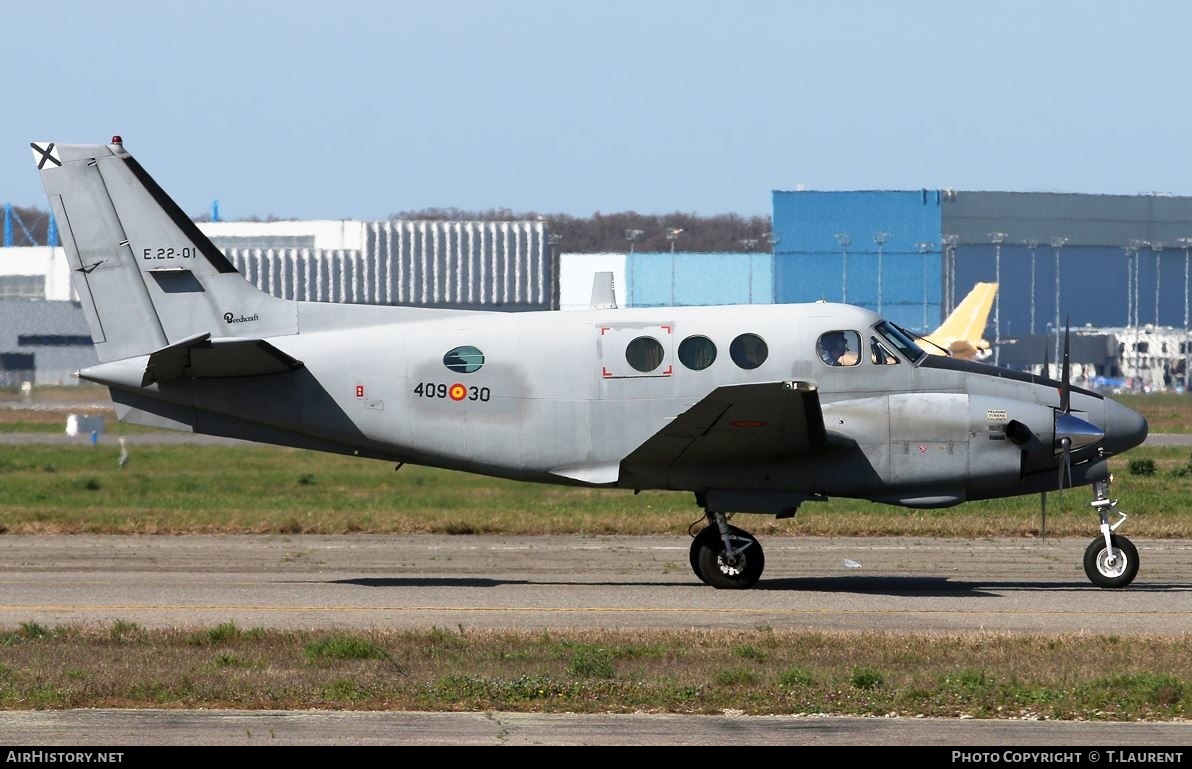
column 1125, row 428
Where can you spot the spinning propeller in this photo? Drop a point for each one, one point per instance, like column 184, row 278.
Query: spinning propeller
column 1071, row 432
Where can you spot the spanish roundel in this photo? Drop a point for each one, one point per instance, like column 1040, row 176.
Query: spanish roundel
column 457, row 392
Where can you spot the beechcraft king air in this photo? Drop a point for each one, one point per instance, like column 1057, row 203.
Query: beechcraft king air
column 753, row 409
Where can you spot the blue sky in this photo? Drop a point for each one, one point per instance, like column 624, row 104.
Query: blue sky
column 359, row 109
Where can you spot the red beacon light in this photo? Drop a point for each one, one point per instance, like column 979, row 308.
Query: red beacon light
column 117, row 139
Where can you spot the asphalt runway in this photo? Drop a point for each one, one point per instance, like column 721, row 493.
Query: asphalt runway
column 920, row 585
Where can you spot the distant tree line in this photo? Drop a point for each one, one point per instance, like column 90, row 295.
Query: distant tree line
column 600, row 232
column 616, row 232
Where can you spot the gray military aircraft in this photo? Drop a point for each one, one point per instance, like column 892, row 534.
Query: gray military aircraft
column 755, row 409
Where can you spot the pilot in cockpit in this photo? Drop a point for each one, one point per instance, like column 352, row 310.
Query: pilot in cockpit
column 833, row 347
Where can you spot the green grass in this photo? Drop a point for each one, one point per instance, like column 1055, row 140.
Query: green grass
column 172, row 489
column 983, row 675
column 1165, row 412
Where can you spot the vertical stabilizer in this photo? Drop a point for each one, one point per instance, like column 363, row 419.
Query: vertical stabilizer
column 962, row 332
column 145, row 274
column 604, row 295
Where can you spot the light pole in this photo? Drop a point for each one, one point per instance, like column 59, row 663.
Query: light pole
column 880, row 239
column 553, row 239
column 1058, row 242
column 949, row 300
column 1136, row 245
column 1186, row 244
column 633, row 236
column 924, row 247
column 672, row 234
column 845, row 241
column 998, row 238
column 1032, row 246
column 1129, row 252
column 1157, row 249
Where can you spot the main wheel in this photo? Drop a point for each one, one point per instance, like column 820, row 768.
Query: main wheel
column 1123, row 569
column 713, row 566
column 698, row 543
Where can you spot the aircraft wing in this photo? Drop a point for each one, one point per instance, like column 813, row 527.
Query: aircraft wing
column 739, row 423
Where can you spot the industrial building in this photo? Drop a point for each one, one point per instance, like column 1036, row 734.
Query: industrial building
column 1100, row 260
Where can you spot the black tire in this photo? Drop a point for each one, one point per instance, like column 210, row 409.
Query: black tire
column 1122, row 573
column 707, row 557
column 700, row 541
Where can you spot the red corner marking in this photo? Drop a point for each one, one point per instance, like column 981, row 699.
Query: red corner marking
column 604, row 372
column 668, row 329
column 603, row 330
column 669, row 370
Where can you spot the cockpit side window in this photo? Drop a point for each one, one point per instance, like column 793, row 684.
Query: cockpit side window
column 902, row 341
column 839, row 348
column 879, row 354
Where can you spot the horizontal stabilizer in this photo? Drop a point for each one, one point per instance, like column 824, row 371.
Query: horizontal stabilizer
column 202, row 357
column 196, row 357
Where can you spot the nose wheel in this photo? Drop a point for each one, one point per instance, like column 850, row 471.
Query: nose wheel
column 1110, row 560
column 1113, row 565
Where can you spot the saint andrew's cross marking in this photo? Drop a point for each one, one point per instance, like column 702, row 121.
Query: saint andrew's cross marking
column 43, row 154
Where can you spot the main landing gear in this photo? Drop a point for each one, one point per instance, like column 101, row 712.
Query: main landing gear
column 1111, row 560
column 726, row 557
column 729, row 558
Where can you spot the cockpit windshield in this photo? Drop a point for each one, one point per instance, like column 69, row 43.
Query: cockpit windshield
column 902, row 340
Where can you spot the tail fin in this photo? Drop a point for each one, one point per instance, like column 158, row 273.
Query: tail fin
column 961, row 332
column 146, row 276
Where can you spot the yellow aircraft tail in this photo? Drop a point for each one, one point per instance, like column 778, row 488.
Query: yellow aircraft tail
column 961, row 332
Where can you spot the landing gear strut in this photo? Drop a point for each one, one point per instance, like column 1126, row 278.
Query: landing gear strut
column 726, row 557
column 1111, row 560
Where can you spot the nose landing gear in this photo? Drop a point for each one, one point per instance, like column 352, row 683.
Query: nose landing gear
column 1110, row 560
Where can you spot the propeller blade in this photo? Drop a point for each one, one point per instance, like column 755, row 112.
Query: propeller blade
column 1065, row 461
column 1065, row 384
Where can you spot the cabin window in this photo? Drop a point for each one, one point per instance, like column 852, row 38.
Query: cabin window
column 879, row 354
column 697, row 352
column 748, row 351
column 464, row 360
column 644, row 354
column 839, row 348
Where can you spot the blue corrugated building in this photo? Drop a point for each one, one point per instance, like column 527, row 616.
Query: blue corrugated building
column 1102, row 260
column 829, row 244
column 668, row 279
